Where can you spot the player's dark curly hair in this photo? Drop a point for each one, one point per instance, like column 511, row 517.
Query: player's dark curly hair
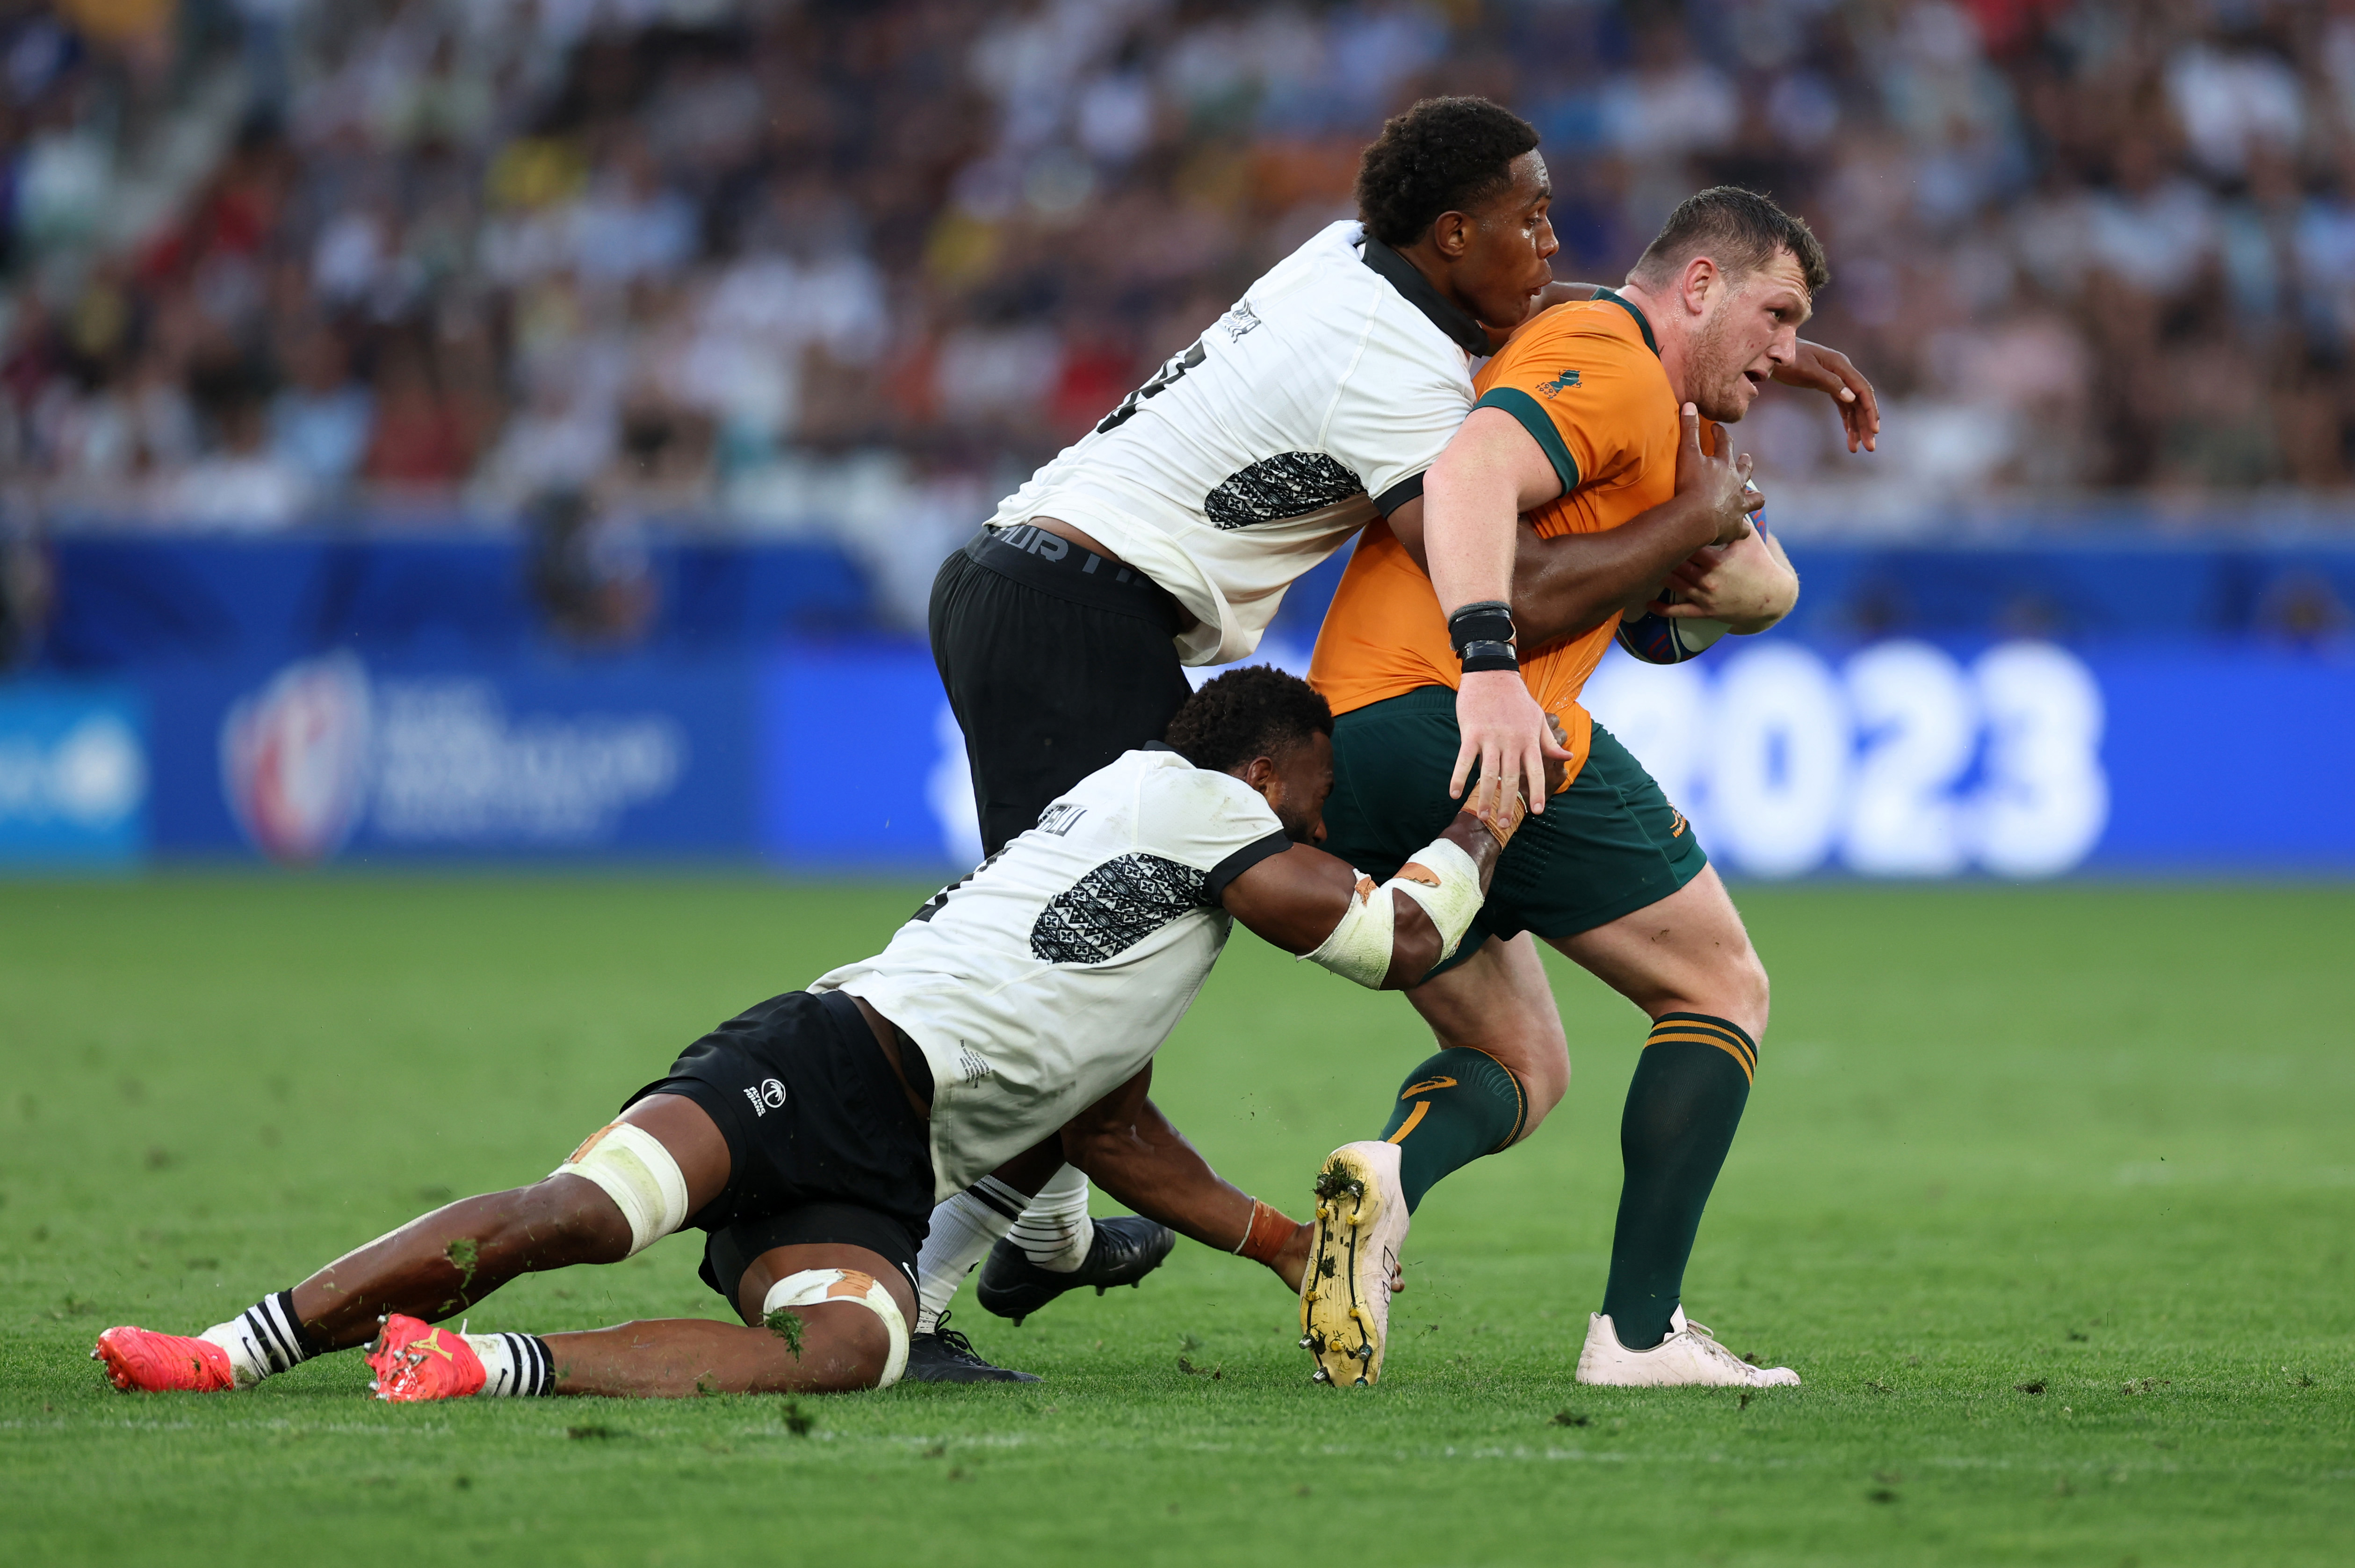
column 1444, row 155
column 1259, row 711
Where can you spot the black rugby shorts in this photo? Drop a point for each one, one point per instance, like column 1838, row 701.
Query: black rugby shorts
column 1056, row 662
column 822, row 1144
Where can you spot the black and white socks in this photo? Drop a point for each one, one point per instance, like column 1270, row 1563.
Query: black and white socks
column 1054, row 1232
column 267, row 1338
column 965, row 1228
column 264, row 1340
column 514, row 1365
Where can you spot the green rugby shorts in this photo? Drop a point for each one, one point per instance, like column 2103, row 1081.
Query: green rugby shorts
column 1607, row 846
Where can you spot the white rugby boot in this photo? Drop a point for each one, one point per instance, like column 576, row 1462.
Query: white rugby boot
column 1353, row 1263
column 1689, row 1357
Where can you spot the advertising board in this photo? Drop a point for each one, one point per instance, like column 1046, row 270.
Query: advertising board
column 73, row 776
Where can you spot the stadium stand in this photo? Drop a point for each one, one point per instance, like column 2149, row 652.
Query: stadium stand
column 847, row 268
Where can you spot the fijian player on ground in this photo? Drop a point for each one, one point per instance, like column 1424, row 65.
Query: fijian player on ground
column 1167, row 538
column 811, row 1136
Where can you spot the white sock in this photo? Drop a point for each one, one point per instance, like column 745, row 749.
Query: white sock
column 1054, row 1231
column 263, row 1339
column 964, row 1228
column 514, row 1365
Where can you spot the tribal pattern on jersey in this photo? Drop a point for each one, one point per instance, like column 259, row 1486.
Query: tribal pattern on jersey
column 1290, row 484
column 1116, row 907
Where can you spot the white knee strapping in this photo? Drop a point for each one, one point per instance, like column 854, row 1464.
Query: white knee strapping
column 1359, row 946
column 1453, row 894
column 815, row 1286
column 638, row 1173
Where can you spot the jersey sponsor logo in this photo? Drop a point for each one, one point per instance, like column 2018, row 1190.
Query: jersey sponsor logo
column 1277, row 489
column 971, row 1066
column 1242, row 319
column 1562, row 382
column 767, row 1096
column 1060, row 818
column 1116, row 907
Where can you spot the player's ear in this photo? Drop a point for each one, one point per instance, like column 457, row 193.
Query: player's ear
column 1702, row 281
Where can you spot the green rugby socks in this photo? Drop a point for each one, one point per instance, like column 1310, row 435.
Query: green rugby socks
column 1683, row 1106
column 1455, row 1108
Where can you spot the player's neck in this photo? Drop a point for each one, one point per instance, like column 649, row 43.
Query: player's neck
column 1668, row 330
column 1426, row 259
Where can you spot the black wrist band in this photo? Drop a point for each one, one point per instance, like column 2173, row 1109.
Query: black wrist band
column 1490, row 620
column 1478, row 656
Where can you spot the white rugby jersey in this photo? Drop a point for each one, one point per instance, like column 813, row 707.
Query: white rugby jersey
column 1250, row 457
column 1043, row 981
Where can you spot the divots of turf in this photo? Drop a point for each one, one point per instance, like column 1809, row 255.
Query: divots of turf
column 786, row 1324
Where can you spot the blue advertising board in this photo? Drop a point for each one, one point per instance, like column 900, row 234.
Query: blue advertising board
column 73, row 776
column 2019, row 758
column 335, row 756
column 2026, row 712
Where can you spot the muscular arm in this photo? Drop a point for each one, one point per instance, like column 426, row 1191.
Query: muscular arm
column 1128, row 1148
column 1295, row 899
column 1563, row 587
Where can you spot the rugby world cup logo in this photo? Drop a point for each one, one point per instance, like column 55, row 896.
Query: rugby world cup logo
column 296, row 757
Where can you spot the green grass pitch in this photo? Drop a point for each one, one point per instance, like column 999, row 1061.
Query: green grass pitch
column 2046, row 1193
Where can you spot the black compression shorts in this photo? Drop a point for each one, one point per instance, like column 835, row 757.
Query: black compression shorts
column 1056, row 662
column 823, row 1145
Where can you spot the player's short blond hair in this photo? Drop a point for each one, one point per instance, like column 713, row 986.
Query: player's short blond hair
column 1738, row 229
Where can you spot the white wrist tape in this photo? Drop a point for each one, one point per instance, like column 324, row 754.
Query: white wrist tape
column 638, row 1173
column 1359, row 946
column 1448, row 888
column 816, row 1286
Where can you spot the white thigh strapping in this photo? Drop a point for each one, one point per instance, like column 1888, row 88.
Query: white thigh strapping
column 816, row 1286
column 639, row 1174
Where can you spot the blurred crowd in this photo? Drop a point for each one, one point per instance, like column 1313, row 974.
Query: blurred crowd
column 857, row 264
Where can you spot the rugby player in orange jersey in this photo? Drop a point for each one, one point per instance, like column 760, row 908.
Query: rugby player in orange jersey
column 1590, row 422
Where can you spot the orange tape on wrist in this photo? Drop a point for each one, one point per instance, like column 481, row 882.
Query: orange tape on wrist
column 1270, row 1229
column 1501, row 816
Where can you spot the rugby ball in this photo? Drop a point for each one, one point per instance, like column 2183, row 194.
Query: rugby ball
column 1659, row 640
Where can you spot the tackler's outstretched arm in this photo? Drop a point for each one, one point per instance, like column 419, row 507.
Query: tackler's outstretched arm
column 1385, row 936
column 1134, row 1152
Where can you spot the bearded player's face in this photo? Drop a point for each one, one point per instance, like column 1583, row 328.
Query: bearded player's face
column 1753, row 329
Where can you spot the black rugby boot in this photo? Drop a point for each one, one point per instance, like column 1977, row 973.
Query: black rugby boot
column 1124, row 1251
column 946, row 1356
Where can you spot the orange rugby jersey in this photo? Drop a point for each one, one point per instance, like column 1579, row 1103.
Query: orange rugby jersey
column 1584, row 380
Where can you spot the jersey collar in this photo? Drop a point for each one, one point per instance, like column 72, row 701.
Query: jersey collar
column 1646, row 327
column 1400, row 274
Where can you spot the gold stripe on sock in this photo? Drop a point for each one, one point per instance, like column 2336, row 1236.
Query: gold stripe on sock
column 1695, row 1021
column 1421, row 1109
column 1689, row 1022
column 1748, row 1071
